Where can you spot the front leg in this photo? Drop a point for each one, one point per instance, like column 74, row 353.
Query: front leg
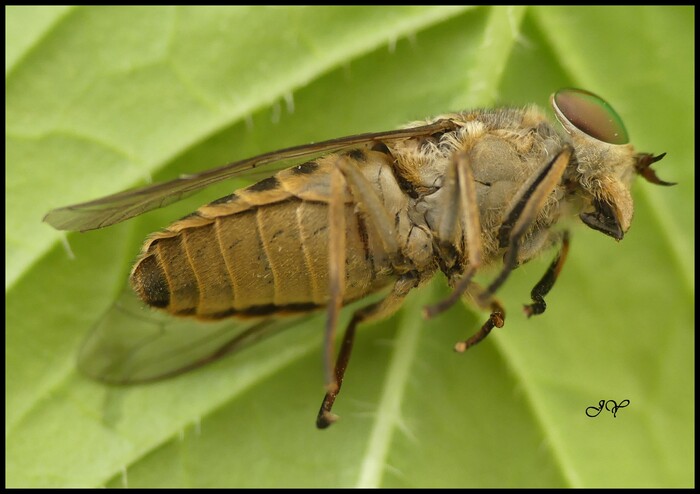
column 543, row 286
column 523, row 213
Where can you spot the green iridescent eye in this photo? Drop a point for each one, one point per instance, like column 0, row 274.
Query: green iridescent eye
column 591, row 114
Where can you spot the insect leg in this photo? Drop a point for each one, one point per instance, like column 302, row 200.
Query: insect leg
column 523, row 213
column 547, row 282
column 370, row 205
column 343, row 174
column 336, row 269
column 497, row 317
column 495, row 320
column 460, row 191
column 378, row 310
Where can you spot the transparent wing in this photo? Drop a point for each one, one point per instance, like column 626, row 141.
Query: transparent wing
column 124, row 205
column 133, row 343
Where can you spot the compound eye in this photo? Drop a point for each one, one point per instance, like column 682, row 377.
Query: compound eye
column 591, row 114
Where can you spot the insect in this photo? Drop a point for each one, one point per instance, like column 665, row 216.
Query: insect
column 375, row 213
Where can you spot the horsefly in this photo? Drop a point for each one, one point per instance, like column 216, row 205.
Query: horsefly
column 371, row 213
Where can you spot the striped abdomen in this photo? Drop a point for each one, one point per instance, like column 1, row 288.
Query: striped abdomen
column 261, row 251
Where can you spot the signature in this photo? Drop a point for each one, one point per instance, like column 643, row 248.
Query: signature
column 610, row 405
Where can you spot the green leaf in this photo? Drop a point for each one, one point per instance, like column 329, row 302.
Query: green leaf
column 99, row 99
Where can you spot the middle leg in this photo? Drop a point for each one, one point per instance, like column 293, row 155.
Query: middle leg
column 461, row 210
